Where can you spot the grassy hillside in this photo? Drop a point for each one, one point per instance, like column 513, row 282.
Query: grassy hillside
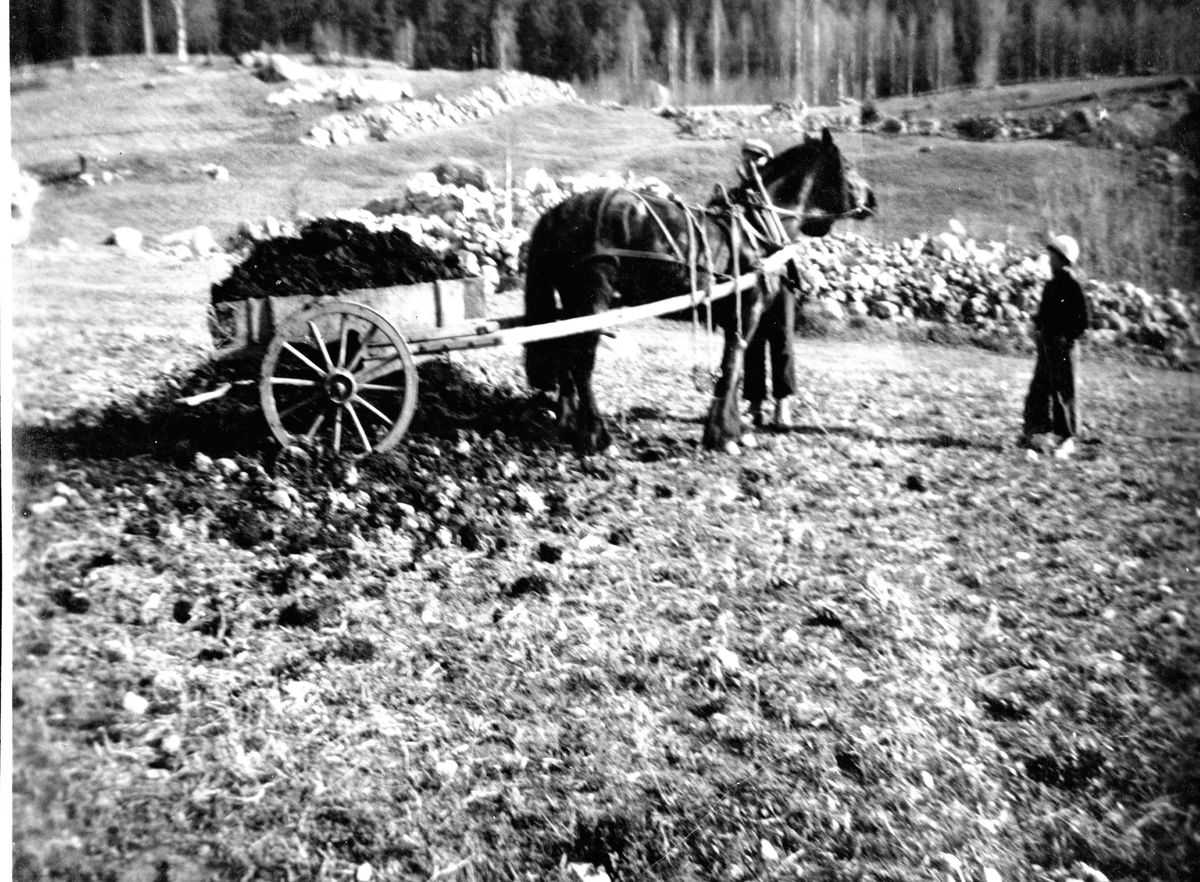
column 162, row 125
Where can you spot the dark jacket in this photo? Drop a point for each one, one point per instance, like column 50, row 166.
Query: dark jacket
column 1063, row 314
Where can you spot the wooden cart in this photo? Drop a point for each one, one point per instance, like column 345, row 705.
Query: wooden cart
column 341, row 369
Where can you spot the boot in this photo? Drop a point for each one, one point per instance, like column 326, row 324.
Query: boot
column 756, row 414
column 783, row 413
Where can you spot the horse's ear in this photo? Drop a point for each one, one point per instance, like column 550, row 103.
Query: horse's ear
column 826, row 137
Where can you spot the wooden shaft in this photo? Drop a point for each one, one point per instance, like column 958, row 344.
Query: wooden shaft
column 588, row 323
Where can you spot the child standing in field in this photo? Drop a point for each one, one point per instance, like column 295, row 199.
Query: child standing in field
column 776, row 329
column 1062, row 318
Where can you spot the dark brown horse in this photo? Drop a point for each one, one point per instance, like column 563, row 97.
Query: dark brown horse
column 615, row 247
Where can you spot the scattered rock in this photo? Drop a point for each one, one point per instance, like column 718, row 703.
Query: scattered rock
column 215, row 172
column 126, row 238
column 276, row 67
column 135, row 704
column 533, row 583
column 916, row 482
column 463, row 173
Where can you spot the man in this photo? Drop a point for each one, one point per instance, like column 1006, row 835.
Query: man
column 1062, row 318
column 777, row 327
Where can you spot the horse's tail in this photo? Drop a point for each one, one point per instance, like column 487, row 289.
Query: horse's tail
column 541, row 272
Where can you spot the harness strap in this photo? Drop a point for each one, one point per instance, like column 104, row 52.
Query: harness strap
column 661, row 224
column 735, row 247
column 605, row 252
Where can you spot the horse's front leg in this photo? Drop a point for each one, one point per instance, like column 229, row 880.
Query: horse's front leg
column 591, row 435
column 723, row 426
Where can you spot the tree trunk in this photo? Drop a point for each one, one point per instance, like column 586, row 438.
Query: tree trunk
column 181, row 40
column 991, row 25
column 816, row 52
column 940, row 48
column 870, row 52
column 852, row 85
column 744, row 28
column 1051, row 54
column 689, row 57
column 893, row 41
column 715, row 37
column 80, row 15
column 798, row 54
column 1020, row 53
column 910, row 53
column 673, row 54
column 147, row 29
column 1139, row 36
column 1038, row 37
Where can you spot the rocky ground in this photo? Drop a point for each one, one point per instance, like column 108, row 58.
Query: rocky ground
column 883, row 646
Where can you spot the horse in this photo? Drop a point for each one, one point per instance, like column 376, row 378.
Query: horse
column 609, row 247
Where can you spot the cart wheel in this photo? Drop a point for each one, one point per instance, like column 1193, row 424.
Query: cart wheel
column 339, row 373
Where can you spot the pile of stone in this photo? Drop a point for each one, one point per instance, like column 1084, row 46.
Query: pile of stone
column 781, row 118
column 388, row 121
column 850, row 116
column 346, row 91
column 990, row 289
column 1166, row 120
column 275, row 67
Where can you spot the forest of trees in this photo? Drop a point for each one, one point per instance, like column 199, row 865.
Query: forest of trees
column 823, row 49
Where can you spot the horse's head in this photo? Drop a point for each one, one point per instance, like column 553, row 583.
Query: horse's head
column 814, row 180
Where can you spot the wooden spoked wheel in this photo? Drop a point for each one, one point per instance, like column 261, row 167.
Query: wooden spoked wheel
column 339, row 374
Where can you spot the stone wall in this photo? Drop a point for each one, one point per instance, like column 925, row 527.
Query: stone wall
column 388, row 121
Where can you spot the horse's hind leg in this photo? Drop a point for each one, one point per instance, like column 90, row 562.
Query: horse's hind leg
column 594, row 286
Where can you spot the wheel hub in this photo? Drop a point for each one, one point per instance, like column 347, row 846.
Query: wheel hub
column 340, row 386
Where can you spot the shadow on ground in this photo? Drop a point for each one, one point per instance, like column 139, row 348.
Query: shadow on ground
column 156, row 424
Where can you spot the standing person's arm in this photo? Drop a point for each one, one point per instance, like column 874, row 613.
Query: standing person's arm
column 1077, row 318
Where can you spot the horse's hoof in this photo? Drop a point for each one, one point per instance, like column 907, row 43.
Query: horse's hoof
column 732, row 448
column 749, row 441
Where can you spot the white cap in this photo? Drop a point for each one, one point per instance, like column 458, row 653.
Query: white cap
column 1066, row 246
column 756, row 147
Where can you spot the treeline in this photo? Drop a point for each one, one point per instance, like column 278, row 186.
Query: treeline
column 823, row 49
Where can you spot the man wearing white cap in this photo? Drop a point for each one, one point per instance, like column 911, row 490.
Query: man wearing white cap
column 1062, row 318
column 777, row 329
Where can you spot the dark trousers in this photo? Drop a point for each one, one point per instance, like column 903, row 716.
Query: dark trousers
column 775, row 331
column 1050, row 404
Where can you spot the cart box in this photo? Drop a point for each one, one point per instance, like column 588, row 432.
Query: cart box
column 415, row 310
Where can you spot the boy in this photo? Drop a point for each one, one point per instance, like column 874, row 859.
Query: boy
column 1062, row 318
